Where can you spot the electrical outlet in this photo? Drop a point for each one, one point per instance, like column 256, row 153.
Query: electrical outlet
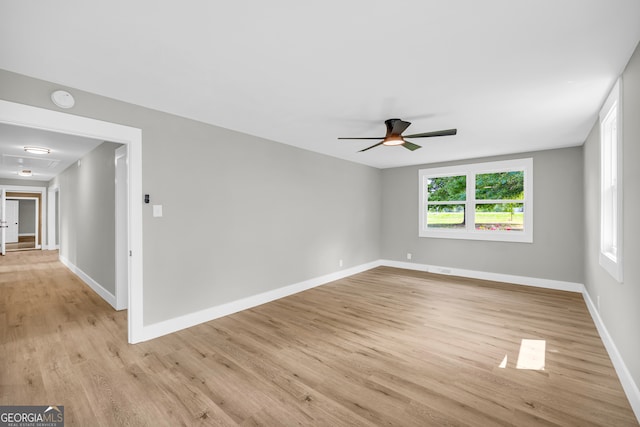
column 340, row 263
column 598, row 302
column 409, row 255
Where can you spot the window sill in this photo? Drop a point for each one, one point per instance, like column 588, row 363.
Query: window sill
column 491, row 236
column 611, row 266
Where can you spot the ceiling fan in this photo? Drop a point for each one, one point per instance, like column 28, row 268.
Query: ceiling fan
column 395, row 127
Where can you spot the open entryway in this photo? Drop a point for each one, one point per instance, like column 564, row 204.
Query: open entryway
column 128, row 162
column 21, row 216
column 24, row 221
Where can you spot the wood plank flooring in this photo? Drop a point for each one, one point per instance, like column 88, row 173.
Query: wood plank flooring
column 23, row 243
column 385, row 347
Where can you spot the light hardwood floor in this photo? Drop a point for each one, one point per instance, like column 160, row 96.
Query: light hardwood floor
column 384, row 347
column 23, row 243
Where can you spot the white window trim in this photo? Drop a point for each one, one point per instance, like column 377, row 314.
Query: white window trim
column 470, row 170
column 609, row 261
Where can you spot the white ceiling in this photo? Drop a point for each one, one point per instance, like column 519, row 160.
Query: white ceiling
column 65, row 149
column 510, row 75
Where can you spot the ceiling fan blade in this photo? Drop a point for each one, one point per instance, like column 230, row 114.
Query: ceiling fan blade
column 399, row 126
column 436, row 133
column 373, row 146
column 411, row 146
column 373, row 137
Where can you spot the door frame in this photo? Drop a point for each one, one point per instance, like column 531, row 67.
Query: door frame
column 53, row 213
column 3, row 222
column 121, row 255
column 38, row 213
column 25, row 192
column 40, row 118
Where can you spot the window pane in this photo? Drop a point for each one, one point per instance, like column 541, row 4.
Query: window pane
column 500, row 185
column 447, row 189
column 445, row 216
column 609, row 191
column 500, row 216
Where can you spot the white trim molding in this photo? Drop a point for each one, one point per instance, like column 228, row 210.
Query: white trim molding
column 467, row 228
column 97, row 287
column 484, row 275
column 52, row 217
column 56, row 121
column 188, row 320
column 43, row 213
column 611, row 184
column 628, row 384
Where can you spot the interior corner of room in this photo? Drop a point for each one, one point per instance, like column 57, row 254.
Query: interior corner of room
column 180, row 221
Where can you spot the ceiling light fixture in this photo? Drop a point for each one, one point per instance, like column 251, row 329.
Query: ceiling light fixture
column 393, row 140
column 37, row 150
column 25, row 172
column 63, row 99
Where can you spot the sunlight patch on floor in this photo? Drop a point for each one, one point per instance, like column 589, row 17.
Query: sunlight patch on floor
column 503, row 364
column 531, row 355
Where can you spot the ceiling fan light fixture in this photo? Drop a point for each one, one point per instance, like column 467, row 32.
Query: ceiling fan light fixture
column 394, row 137
column 37, row 150
column 393, row 140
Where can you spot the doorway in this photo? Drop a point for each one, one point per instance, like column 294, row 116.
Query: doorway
column 40, row 118
column 24, row 230
column 26, row 223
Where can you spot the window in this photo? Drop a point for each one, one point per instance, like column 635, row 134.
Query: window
column 611, row 184
column 481, row 201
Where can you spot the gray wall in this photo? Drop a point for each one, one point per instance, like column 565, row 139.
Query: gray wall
column 242, row 215
column 87, row 214
column 556, row 251
column 27, row 217
column 619, row 302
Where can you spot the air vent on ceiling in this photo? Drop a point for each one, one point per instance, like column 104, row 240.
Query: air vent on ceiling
column 29, row 162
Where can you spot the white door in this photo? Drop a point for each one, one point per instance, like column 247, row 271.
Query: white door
column 3, row 222
column 11, row 216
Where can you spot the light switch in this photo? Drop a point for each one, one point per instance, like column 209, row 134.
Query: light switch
column 157, row 210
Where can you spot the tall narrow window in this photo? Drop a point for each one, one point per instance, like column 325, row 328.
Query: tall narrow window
column 611, row 184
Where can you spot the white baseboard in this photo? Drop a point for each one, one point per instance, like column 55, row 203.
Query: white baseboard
column 483, row 275
column 188, row 320
column 629, row 386
column 182, row 322
column 104, row 294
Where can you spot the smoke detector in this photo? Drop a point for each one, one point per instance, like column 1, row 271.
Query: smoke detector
column 63, row 99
